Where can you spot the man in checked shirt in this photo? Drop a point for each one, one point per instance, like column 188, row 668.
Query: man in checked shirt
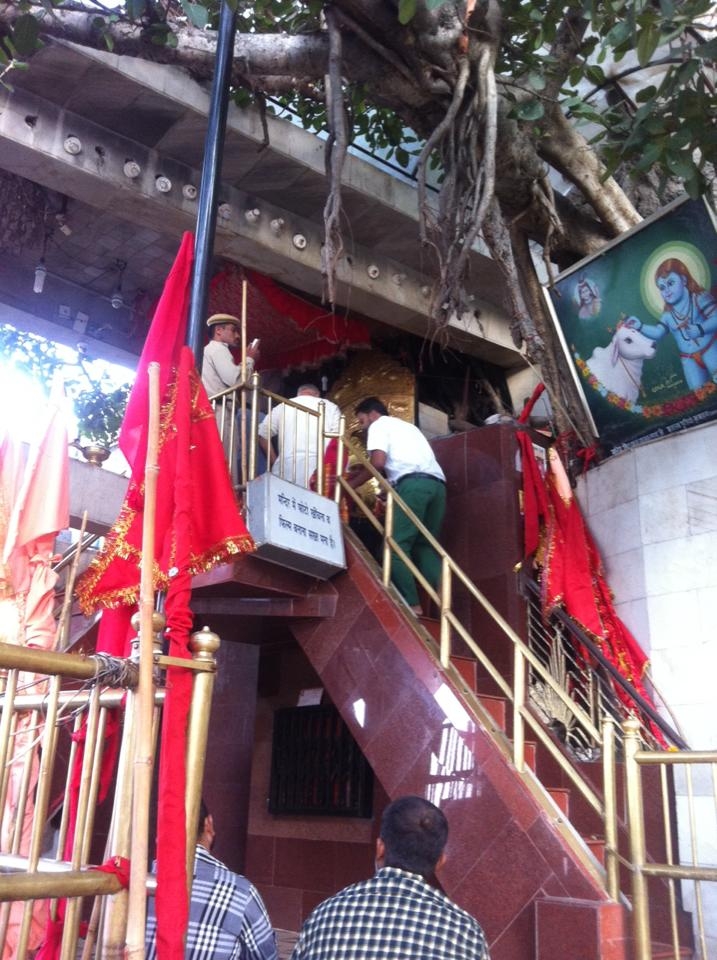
column 396, row 915
column 227, row 918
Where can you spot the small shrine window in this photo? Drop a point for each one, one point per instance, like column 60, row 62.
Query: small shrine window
column 317, row 768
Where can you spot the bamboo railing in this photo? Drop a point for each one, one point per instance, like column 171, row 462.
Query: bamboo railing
column 28, row 876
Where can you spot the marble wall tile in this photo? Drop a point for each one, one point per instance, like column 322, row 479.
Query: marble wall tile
column 702, row 505
column 626, row 575
column 614, row 483
column 683, row 458
column 636, row 617
column 685, row 563
column 618, row 528
column 672, row 617
column 664, row 515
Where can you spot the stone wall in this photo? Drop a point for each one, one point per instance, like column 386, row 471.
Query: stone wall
column 653, row 512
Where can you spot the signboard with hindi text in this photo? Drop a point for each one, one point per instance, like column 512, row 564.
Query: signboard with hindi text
column 295, row 527
column 638, row 322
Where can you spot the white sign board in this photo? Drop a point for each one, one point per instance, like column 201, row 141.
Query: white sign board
column 295, row 527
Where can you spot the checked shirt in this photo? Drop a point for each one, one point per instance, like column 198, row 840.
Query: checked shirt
column 393, row 916
column 227, row 919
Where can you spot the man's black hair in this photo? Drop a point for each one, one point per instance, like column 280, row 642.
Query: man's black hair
column 414, row 832
column 372, row 405
column 203, row 814
column 218, row 326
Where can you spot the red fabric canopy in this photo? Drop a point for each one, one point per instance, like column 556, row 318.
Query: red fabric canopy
column 294, row 333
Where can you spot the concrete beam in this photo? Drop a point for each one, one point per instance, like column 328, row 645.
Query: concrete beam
column 33, row 132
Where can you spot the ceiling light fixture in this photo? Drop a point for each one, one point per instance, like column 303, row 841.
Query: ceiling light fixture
column 116, row 299
column 40, row 274
column 41, row 270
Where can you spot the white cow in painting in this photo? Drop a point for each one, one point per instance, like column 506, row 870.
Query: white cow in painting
column 618, row 366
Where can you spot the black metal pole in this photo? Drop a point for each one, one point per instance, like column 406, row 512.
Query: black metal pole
column 211, row 166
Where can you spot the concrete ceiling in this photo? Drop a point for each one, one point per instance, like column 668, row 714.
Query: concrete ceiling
column 122, row 109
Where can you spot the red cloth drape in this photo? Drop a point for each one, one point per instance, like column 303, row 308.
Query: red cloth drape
column 197, row 525
column 572, row 575
column 294, row 333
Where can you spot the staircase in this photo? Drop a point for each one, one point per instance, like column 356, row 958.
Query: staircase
column 515, row 862
column 527, row 852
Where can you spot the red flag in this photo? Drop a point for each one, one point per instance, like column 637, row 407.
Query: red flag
column 572, row 575
column 197, row 525
column 217, row 531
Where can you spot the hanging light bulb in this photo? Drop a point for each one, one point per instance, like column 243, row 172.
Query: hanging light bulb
column 117, row 300
column 41, row 270
column 40, row 274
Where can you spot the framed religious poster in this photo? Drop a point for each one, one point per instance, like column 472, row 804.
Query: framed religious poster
column 638, row 322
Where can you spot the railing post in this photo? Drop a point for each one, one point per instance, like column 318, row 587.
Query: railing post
column 340, row 454
column 114, row 918
column 518, row 706
column 203, row 644
column 387, row 534
column 636, row 829
column 320, row 428
column 254, row 426
column 610, row 793
column 446, row 601
column 42, row 799
column 72, row 910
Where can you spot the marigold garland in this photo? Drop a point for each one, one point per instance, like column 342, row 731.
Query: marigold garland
column 670, row 408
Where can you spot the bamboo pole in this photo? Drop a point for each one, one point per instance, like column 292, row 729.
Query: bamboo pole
column 42, row 800
column 73, row 905
column 144, row 701
column 114, row 919
column 242, row 403
column 72, row 883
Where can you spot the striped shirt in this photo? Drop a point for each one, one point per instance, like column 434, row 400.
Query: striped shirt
column 227, row 918
column 393, row 916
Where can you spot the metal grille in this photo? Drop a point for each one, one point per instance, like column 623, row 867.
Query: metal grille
column 316, row 765
column 570, row 658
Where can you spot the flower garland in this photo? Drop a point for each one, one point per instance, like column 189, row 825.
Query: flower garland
column 670, row 408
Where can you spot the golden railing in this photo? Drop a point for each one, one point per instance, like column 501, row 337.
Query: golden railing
column 599, row 727
column 35, row 704
column 238, row 418
column 691, row 860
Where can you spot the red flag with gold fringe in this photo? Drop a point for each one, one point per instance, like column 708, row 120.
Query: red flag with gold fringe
column 197, row 525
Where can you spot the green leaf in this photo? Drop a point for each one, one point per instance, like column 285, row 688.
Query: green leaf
column 434, row 4
column 681, row 165
column 648, row 41
column 707, row 51
column 537, row 81
column 406, row 11
column 25, row 34
column 644, row 95
column 530, row 110
column 198, row 14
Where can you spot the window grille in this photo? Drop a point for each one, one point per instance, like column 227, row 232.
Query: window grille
column 316, row 766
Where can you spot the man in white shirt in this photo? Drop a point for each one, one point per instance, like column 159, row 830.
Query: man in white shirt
column 219, row 372
column 401, row 452
column 297, row 434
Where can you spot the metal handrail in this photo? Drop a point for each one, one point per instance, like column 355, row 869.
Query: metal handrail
column 672, row 869
column 585, row 640
column 452, row 575
column 32, row 721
